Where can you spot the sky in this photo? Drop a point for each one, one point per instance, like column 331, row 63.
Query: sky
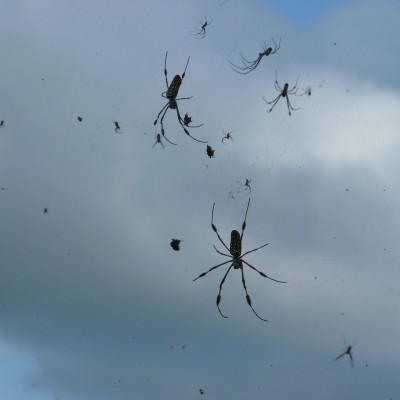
column 94, row 302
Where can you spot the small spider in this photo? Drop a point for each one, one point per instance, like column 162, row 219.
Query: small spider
column 175, row 244
column 201, row 32
column 246, row 186
column 228, row 136
column 210, row 151
column 249, row 66
column 347, row 351
column 158, row 140
column 79, row 118
column 117, row 127
column 170, row 94
column 236, row 260
column 45, row 210
column 2, row 125
column 187, row 120
column 283, row 93
column 201, row 391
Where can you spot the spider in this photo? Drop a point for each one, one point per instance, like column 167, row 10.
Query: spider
column 170, row 94
column 187, row 120
column 175, row 244
column 45, row 210
column 236, row 260
column 246, row 186
column 249, row 66
column 348, row 351
column 201, row 32
column 283, row 93
column 210, row 151
column 158, row 140
column 2, row 125
column 228, row 136
column 117, row 127
column 79, row 118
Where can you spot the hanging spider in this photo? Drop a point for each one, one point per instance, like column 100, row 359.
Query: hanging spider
column 249, row 66
column 170, row 94
column 117, row 127
column 246, row 186
column 210, row 151
column 283, row 93
column 175, row 244
column 236, row 259
column 158, row 140
column 347, row 351
column 227, row 136
column 201, row 32
column 187, row 120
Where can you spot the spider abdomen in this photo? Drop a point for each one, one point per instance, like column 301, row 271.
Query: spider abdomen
column 173, row 89
column 236, row 243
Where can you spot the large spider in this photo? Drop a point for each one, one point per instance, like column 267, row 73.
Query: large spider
column 283, row 93
column 170, row 94
column 236, row 260
column 249, row 66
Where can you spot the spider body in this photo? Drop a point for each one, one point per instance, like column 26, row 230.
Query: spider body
column 236, row 260
column 249, row 66
column 283, row 93
column 227, row 136
column 158, row 140
column 348, row 351
column 171, row 95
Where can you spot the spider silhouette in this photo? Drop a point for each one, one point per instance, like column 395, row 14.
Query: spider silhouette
column 249, row 66
column 347, row 351
column 246, row 186
column 283, row 93
column 201, row 32
column 158, row 140
column 170, row 94
column 236, row 260
column 227, row 136
column 117, row 127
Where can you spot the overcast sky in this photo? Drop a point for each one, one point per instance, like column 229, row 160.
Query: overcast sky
column 95, row 304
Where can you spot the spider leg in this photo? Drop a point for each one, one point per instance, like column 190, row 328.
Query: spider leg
column 248, row 297
column 340, row 356
column 212, row 268
column 220, row 289
column 262, row 273
column 184, row 72
column 162, row 127
column 158, row 116
column 214, row 228
column 274, row 102
column 258, row 248
column 165, row 70
column 289, row 106
column 351, row 359
column 220, row 252
column 244, row 222
column 183, row 126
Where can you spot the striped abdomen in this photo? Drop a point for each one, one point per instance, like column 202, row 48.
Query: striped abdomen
column 173, row 89
column 236, row 244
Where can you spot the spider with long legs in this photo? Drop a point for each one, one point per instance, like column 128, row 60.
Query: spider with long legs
column 158, row 141
column 347, row 351
column 170, row 94
column 201, row 32
column 249, row 66
column 227, row 136
column 283, row 93
column 236, row 260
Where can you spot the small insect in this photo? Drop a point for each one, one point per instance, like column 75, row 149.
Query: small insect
column 117, row 127
column 175, row 244
column 236, row 260
column 170, row 94
column 201, row 32
column 210, row 151
column 227, row 136
column 347, row 351
column 187, row 120
column 158, row 140
column 79, row 118
column 246, row 186
column 2, row 125
column 249, row 66
column 283, row 93
column 201, row 391
column 45, row 210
